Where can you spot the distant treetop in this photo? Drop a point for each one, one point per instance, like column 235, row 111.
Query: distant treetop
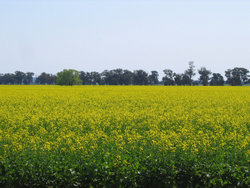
column 68, row 77
column 236, row 77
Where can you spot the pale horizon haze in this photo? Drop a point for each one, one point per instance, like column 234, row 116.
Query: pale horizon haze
column 48, row 36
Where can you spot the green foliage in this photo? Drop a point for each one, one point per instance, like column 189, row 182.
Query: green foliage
column 68, row 77
column 168, row 79
column 237, row 76
column 141, row 169
column 217, row 80
column 204, row 75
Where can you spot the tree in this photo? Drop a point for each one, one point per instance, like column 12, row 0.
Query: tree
column 127, row 77
column 237, row 76
column 168, row 79
column 8, row 78
column 108, row 77
column 153, row 78
column 82, row 76
column 19, row 77
column 86, row 78
column 117, row 76
column 189, row 73
column 51, row 79
column 68, row 77
column 186, row 80
column 178, row 79
column 1, row 78
column 95, row 78
column 43, row 78
column 204, row 75
column 140, row 77
column 217, row 80
column 28, row 78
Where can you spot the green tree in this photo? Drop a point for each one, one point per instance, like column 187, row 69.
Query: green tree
column 28, row 78
column 127, row 77
column 168, row 79
column 68, row 77
column 188, row 74
column 8, row 78
column 96, row 78
column 178, row 79
column 217, row 80
column 153, row 78
column 204, row 75
column 46, row 78
column 19, row 77
column 237, row 76
column 118, row 76
column 140, row 77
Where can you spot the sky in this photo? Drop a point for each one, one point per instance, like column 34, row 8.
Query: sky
column 52, row 35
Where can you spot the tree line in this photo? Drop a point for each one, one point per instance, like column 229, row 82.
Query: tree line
column 236, row 76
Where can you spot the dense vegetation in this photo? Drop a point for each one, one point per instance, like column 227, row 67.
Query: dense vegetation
column 235, row 76
column 84, row 136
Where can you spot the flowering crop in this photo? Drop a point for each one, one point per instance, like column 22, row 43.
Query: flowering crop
column 124, row 136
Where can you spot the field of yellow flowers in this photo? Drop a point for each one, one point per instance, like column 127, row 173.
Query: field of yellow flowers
column 124, row 136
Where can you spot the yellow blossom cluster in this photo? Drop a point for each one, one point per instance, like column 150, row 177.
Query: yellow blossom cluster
column 121, row 119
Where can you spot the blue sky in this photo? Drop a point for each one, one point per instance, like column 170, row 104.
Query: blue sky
column 50, row 35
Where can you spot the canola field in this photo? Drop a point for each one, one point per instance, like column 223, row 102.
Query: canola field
column 124, row 136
